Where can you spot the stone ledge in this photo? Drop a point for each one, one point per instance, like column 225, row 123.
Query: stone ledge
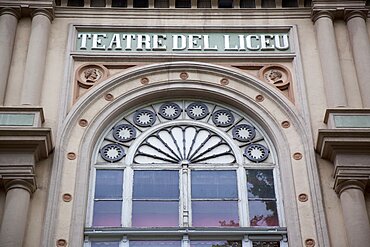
column 18, row 140
column 331, row 142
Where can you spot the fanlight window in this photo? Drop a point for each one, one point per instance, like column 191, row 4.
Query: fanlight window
column 185, row 174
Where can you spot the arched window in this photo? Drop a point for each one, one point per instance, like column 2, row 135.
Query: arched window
column 185, row 173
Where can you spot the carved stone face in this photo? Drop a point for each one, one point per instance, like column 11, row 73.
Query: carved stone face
column 275, row 75
column 91, row 75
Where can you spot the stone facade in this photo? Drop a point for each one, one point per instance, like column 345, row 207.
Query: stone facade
column 61, row 94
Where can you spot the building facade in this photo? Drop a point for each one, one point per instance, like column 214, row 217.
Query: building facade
column 184, row 123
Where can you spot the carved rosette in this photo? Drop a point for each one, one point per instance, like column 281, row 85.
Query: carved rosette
column 88, row 75
column 278, row 76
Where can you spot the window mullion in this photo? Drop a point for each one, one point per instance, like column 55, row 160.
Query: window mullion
column 243, row 199
column 127, row 197
column 184, row 205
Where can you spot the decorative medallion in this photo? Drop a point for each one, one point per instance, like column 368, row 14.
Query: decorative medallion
column 197, row 110
column 223, row 118
column 124, row 132
column 144, row 118
column 90, row 74
column 170, row 111
column 184, row 144
column 244, row 132
column 112, row 152
column 256, row 152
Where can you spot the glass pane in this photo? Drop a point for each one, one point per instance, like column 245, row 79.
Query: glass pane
column 104, row 244
column 155, row 213
column 219, row 243
column 216, row 213
column 156, row 185
column 260, row 184
column 107, row 213
column 213, row 184
column 266, row 244
column 155, row 243
column 108, row 184
column 263, row 213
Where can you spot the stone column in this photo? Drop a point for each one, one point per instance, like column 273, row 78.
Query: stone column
column 14, row 221
column 351, row 193
column 36, row 57
column 359, row 39
column 8, row 26
column 328, row 51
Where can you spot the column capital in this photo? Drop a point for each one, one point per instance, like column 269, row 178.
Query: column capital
column 352, row 13
column 320, row 13
column 11, row 11
column 356, row 184
column 45, row 12
column 28, row 185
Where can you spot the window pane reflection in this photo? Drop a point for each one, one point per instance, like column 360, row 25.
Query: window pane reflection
column 215, row 213
column 107, row 213
column 156, row 185
column 263, row 213
column 108, row 184
column 149, row 213
column 224, row 243
column 214, row 184
column 155, row 243
column 260, row 184
column 104, row 244
column 266, row 244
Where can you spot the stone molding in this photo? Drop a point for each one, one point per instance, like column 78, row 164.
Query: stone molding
column 27, row 8
column 11, row 11
column 35, row 143
column 338, row 9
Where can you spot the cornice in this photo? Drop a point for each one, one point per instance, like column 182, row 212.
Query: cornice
column 338, row 9
column 331, row 142
column 26, row 8
column 17, row 140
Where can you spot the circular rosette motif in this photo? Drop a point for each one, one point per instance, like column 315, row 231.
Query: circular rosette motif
column 124, row 132
column 256, row 152
column 244, row 132
column 223, row 118
column 112, row 152
column 170, row 111
column 144, row 118
column 197, row 110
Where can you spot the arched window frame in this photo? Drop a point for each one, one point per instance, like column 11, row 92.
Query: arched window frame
column 240, row 166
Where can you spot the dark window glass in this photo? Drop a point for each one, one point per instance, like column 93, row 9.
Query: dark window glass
column 57, row 2
column 215, row 213
column 225, row 3
column 218, row 243
column 214, row 198
column 307, row 3
column 266, row 244
column 247, row 4
column 104, row 244
column 268, row 4
column 108, row 184
column 161, row 4
column 119, row 3
column 261, row 184
column 155, row 198
column 262, row 198
column 97, row 3
column 156, row 185
column 157, row 243
column 183, row 4
column 141, row 4
column 290, row 3
column 107, row 213
column 155, row 213
column 214, row 184
column 368, row 3
column 204, row 4
column 76, row 3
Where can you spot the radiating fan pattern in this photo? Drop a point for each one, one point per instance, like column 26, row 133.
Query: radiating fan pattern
column 189, row 144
